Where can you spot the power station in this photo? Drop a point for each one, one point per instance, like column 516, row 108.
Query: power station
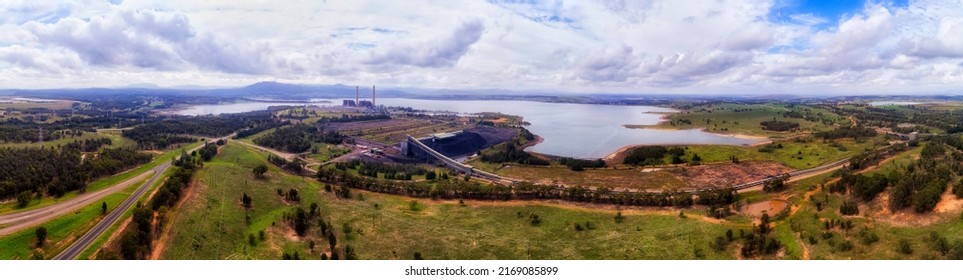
column 357, row 102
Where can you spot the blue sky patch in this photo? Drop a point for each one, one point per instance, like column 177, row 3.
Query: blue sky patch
column 821, row 14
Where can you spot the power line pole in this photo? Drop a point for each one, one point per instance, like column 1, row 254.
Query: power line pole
column 40, row 136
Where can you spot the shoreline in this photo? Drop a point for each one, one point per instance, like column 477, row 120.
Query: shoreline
column 665, row 117
column 702, row 129
column 536, row 141
column 621, row 152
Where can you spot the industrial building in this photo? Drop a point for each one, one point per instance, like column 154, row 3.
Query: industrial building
column 357, row 102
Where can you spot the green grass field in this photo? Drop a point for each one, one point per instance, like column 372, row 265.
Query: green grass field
column 60, row 231
column 117, row 141
column 793, row 154
column 212, row 224
column 327, row 152
column 746, row 118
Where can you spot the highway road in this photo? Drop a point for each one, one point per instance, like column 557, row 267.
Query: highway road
column 81, row 244
column 88, row 238
column 15, row 222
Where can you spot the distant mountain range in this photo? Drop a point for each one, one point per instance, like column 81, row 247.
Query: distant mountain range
column 284, row 91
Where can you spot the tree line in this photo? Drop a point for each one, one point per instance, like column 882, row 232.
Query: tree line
column 847, row 132
column 460, row 189
column 575, row 164
column 654, row 155
column 88, row 145
column 509, row 152
column 161, row 134
column 55, row 172
column 298, row 138
column 258, row 128
column 390, row 171
column 296, row 165
column 774, row 125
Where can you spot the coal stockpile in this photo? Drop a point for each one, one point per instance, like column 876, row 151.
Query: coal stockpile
column 471, row 140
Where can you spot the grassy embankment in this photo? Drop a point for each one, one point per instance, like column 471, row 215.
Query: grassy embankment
column 212, row 224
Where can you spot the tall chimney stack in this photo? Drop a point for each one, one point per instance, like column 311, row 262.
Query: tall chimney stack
column 373, row 95
column 357, row 94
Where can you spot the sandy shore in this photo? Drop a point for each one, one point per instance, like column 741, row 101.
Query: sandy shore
column 538, row 139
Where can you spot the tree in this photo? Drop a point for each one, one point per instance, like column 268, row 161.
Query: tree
column 696, row 158
column 103, row 208
column 23, row 199
column 849, row 208
column 260, row 170
column 41, row 234
column 292, row 195
column 764, row 223
column 333, row 241
column 429, row 176
column 349, row 253
column 958, row 189
column 534, row 219
column 300, row 221
column 775, row 185
column 314, row 211
column 246, row 200
column 905, row 247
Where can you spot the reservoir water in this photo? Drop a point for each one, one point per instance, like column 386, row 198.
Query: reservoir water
column 570, row 130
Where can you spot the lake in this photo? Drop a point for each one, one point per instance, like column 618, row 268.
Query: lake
column 570, row 130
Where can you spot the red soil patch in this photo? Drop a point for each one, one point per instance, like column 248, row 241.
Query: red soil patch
column 721, row 175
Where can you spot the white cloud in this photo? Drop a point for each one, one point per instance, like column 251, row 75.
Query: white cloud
column 590, row 46
column 440, row 52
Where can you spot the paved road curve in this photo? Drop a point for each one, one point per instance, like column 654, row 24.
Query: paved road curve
column 81, row 244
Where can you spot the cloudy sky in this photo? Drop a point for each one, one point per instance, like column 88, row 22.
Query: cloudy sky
column 628, row 46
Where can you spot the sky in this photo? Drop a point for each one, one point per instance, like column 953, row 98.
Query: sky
column 627, row 46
